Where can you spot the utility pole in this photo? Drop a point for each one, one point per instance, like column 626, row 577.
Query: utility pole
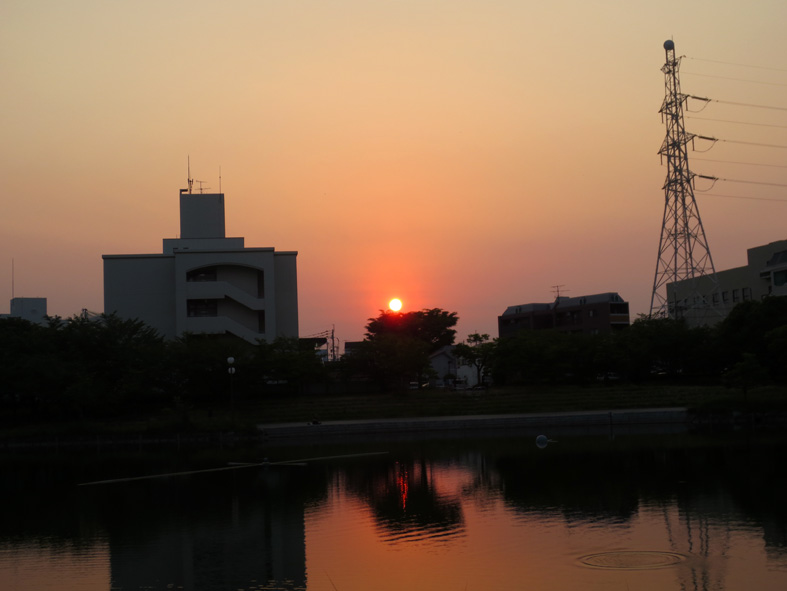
column 684, row 255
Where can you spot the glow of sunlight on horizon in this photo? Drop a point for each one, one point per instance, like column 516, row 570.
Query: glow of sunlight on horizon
column 519, row 144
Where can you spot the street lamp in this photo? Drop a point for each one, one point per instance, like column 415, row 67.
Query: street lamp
column 231, row 372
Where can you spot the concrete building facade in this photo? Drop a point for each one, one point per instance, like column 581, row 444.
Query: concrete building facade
column 591, row 314
column 30, row 309
column 765, row 274
column 204, row 282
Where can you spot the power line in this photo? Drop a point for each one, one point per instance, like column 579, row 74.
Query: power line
column 742, row 163
column 736, row 79
column 742, row 197
column 760, row 144
column 715, row 178
column 738, row 122
column 708, row 100
column 698, row 59
column 754, row 144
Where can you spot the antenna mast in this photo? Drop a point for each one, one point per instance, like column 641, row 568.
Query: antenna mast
column 683, row 249
column 190, row 180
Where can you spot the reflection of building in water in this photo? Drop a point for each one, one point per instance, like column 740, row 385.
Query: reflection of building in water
column 217, row 540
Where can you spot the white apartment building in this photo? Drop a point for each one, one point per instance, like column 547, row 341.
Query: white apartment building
column 764, row 275
column 30, row 309
column 204, row 282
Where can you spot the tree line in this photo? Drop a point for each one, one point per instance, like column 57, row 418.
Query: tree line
column 107, row 367
column 749, row 347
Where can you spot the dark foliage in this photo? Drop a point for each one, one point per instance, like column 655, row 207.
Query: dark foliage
column 106, row 368
column 398, row 344
column 750, row 345
column 109, row 367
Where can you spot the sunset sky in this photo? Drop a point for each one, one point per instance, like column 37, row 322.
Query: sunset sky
column 462, row 154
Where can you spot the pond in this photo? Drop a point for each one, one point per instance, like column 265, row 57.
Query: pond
column 594, row 511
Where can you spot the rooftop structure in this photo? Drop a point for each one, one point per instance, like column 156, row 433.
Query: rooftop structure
column 205, row 282
column 591, row 314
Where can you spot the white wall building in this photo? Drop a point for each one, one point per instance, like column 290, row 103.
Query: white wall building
column 204, row 282
column 30, row 309
column 764, row 275
column 445, row 364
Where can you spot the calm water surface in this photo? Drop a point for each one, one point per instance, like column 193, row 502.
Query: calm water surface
column 644, row 512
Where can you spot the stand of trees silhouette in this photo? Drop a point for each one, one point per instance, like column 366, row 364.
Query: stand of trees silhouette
column 110, row 367
column 397, row 347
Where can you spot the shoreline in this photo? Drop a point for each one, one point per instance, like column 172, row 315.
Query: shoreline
column 596, row 422
column 673, row 419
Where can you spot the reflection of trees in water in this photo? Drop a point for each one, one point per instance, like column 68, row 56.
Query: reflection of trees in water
column 702, row 492
column 404, row 500
column 583, row 486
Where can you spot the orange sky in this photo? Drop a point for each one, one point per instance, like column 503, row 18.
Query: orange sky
column 466, row 155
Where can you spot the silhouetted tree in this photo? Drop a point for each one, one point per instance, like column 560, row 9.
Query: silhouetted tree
column 745, row 374
column 109, row 365
column 431, row 326
column 398, row 344
column 198, row 368
column 27, row 356
column 755, row 327
column 291, row 363
column 478, row 351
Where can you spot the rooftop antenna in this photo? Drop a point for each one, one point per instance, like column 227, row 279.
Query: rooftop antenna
column 201, row 188
column 188, row 176
column 219, row 179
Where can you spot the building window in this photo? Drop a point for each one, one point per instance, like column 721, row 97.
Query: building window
column 725, row 296
column 621, row 308
column 736, row 295
column 747, row 293
column 779, row 278
column 591, row 313
column 202, row 308
column 715, row 299
column 202, row 274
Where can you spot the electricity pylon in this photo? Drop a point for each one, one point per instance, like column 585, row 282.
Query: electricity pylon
column 684, row 255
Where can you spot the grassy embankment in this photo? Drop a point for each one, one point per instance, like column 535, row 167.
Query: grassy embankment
column 250, row 412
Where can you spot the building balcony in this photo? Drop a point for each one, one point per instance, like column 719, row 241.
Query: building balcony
column 216, row 290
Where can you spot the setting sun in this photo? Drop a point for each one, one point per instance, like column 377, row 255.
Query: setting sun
column 395, row 304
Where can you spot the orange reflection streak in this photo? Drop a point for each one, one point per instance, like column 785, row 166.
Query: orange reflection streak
column 402, row 483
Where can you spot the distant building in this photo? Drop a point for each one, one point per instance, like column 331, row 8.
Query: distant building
column 764, row 275
column 591, row 314
column 30, row 309
column 204, row 282
column 450, row 371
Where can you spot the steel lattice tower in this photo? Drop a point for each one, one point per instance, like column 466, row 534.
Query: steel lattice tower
column 683, row 249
